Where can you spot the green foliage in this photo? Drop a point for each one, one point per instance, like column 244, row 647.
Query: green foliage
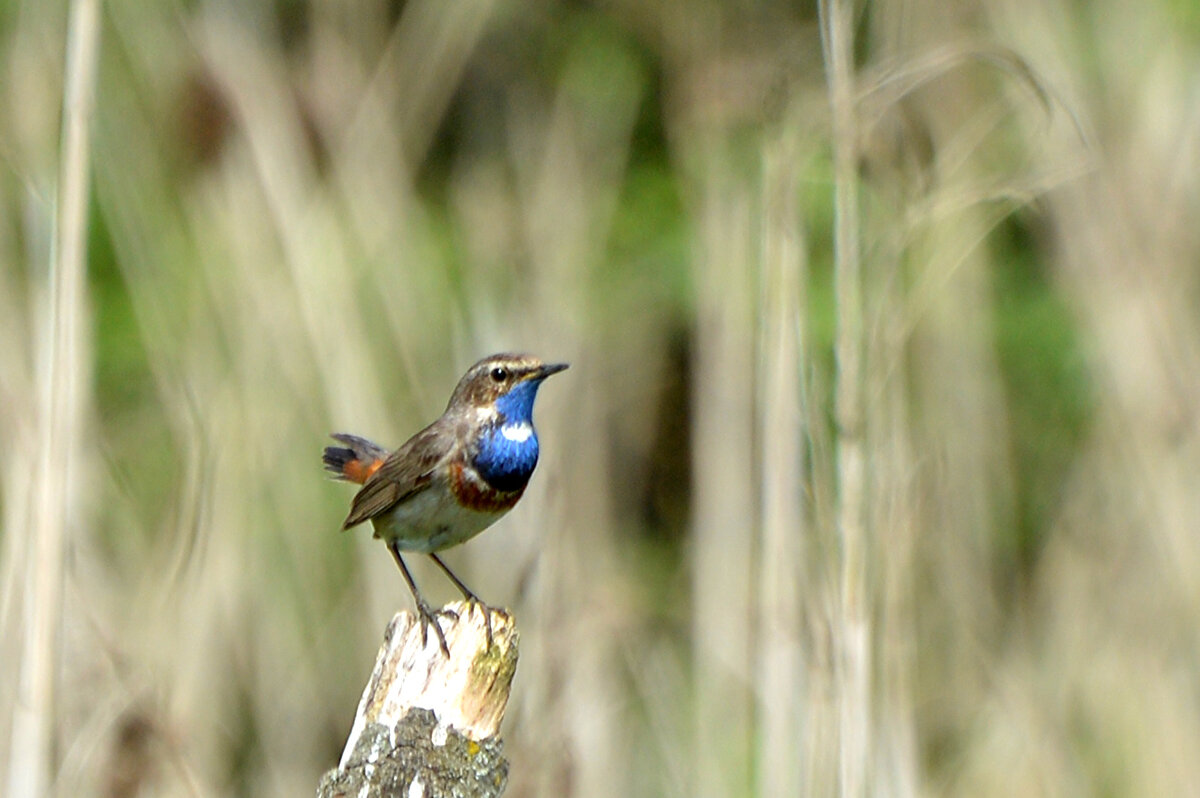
column 1048, row 385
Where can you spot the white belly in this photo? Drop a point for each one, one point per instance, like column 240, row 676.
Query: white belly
column 431, row 521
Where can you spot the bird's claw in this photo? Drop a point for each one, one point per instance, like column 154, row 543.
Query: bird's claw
column 428, row 618
column 473, row 602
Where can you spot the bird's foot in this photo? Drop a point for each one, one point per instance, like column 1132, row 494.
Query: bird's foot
column 469, row 595
column 428, row 617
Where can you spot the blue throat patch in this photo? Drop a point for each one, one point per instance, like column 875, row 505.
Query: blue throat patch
column 506, row 461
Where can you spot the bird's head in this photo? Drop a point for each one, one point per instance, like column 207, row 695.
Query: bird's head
column 506, row 382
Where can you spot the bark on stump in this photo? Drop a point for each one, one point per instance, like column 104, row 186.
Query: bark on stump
column 427, row 725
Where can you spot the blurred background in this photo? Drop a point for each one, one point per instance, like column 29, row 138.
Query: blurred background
column 876, row 470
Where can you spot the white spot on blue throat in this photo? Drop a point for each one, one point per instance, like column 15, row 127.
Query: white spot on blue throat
column 508, row 452
column 517, row 433
column 505, row 462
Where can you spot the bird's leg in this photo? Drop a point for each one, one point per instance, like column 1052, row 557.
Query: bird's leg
column 470, row 596
column 426, row 615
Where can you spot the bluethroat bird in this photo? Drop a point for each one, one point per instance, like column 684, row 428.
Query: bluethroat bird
column 453, row 479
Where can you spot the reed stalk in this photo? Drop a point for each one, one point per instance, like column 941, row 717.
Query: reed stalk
column 63, row 370
column 853, row 632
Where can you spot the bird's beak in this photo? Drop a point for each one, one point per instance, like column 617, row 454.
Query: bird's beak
column 548, row 369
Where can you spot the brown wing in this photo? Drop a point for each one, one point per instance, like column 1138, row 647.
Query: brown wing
column 406, row 472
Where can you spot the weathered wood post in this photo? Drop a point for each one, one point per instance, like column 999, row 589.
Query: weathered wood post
column 428, row 725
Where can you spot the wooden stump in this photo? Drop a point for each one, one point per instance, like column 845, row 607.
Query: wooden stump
column 428, row 725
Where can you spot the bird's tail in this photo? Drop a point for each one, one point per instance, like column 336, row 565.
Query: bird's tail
column 355, row 462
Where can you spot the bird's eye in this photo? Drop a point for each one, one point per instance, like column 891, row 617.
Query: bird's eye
column 499, row 374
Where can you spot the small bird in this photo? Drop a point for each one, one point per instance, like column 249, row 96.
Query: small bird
column 454, row 478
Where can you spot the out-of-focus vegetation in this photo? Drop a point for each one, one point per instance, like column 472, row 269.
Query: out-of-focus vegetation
column 312, row 216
